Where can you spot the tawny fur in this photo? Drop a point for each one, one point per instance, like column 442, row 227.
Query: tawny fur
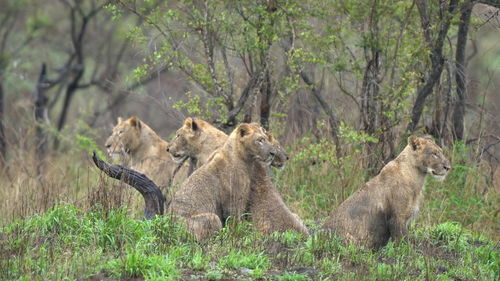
column 198, row 139
column 268, row 211
column 221, row 188
column 143, row 151
column 386, row 205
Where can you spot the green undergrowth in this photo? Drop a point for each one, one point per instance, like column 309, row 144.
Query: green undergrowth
column 314, row 182
column 67, row 243
column 100, row 235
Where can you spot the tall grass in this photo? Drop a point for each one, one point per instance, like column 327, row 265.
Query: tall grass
column 314, row 183
column 75, row 223
column 68, row 243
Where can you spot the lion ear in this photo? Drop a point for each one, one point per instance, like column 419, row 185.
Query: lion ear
column 188, row 122
column 135, row 122
column 191, row 123
column 244, row 129
column 413, row 142
column 270, row 135
column 119, row 120
column 194, row 125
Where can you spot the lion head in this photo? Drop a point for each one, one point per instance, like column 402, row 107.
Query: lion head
column 196, row 138
column 252, row 143
column 124, row 138
column 281, row 156
column 429, row 157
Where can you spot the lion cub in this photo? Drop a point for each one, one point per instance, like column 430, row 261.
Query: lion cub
column 221, row 188
column 198, row 139
column 267, row 209
column 386, row 205
column 143, row 151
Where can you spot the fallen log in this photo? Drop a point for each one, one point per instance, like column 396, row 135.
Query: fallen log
column 153, row 198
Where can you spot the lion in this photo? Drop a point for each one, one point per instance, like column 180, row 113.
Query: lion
column 143, row 150
column 267, row 209
column 198, row 139
column 281, row 156
column 387, row 204
column 222, row 187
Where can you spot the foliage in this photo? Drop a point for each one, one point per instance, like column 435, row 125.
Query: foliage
column 64, row 243
column 365, row 59
column 449, row 238
column 71, row 242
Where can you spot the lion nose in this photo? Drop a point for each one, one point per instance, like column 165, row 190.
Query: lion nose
column 108, row 145
column 272, row 152
column 447, row 167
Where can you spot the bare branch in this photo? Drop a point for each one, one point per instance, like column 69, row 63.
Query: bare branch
column 153, row 198
column 327, row 109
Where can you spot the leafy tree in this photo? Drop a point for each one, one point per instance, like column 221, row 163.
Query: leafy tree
column 224, row 48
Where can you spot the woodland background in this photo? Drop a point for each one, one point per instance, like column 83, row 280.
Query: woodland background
column 341, row 83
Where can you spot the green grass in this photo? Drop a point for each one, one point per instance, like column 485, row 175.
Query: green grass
column 454, row 238
column 70, row 244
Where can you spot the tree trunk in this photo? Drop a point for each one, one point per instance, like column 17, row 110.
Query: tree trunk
column 70, row 91
column 41, row 117
column 437, row 59
column 231, row 115
column 3, row 142
column 255, row 82
column 153, row 198
column 460, row 70
column 265, row 102
column 424, row 92
column 372, row 112
column 327, row 109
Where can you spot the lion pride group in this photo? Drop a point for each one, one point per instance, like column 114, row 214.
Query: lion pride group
column 229, row 175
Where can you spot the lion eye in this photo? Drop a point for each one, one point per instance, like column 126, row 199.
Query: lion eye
column 434, row 154
column 120, row 132
column 260, row 140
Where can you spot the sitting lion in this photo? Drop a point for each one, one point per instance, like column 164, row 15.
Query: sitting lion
column 198, row 139
column 267, row 209
column 143, row 150
column 281, row 156
column 386, row 205
column 221, row 188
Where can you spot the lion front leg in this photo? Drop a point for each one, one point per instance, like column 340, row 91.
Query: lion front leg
column 270, row 214
column 203, row 225
column 281, row 221
column 397, row 228
column 299, row 225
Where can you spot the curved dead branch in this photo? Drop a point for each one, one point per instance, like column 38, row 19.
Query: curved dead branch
column 153, row 198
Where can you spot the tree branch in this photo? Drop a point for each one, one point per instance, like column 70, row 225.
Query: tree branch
column 327, row 109
column 153, row 198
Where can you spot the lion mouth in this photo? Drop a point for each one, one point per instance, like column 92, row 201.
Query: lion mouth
column 114, row 155
column 439, row 176
column 278, row 165
column 267, row 160
column 178, row 158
